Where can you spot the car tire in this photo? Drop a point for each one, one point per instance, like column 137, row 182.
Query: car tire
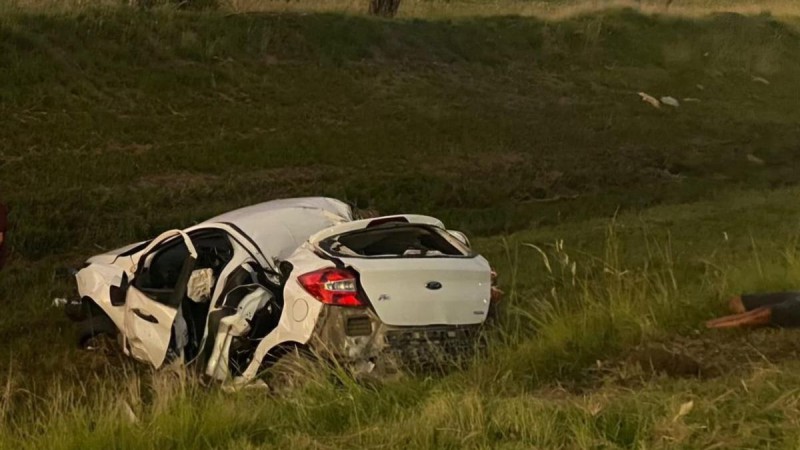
column 92, row 330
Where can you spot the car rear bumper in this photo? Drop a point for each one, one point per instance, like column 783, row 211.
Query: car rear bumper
column 356, row 338
column 433, row 348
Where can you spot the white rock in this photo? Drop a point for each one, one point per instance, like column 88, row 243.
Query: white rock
column 670, row 101
column 755, row 159
column 650, row 99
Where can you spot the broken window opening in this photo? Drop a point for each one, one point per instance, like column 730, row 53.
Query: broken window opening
column 392, row 240
column 262, row 322
column 214, row 252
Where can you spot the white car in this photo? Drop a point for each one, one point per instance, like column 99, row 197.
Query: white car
column 238, row 290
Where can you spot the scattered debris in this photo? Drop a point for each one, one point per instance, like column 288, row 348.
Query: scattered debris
column 650, row 99
column 691, row 100
column 685, row 409
column 701, row 87
column 59, row 302
column 656, row 103
column 755, row 159
column 670, row 101
column 761, row 80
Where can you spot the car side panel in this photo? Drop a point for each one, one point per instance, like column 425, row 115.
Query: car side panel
column 94, row 282
column 300, row 311
column 148, row 340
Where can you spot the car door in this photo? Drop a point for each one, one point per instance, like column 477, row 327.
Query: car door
column 155, row 293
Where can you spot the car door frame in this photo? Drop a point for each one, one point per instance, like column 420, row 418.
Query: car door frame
column 150, row 341
column 251, row 254
column 140, row 257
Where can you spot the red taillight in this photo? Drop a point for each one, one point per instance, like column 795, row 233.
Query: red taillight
column 332, row 286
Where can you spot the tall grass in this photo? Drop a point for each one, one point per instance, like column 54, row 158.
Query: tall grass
column 443, row 9
column 592, row 307
column 539, row 385
column 121, row 124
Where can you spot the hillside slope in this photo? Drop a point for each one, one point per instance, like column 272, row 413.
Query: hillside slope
column 117, row 124
column 473, row 120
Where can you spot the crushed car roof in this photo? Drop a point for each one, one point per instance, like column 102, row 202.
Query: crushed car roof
column 278, row 227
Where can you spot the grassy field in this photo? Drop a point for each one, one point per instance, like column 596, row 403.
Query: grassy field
column 449, row 9
column 617, row 227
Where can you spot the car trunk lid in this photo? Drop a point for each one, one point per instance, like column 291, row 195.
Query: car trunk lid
column 426, row 291
column 414, row 274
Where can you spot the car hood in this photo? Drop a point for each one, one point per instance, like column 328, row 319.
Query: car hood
column 111, row 256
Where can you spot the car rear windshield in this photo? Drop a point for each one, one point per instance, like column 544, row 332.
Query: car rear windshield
column 392, row 240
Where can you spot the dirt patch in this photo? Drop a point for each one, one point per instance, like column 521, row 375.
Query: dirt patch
column 282, row 182
column 478, row 164
column 536, row 180
column 298, row 175
column 670, row 361
column 278, row 176
column 708, row 355
column 176, row 181
column 131, row 148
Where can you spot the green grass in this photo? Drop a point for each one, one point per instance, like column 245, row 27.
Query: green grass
column 441, row 9
column 617, row 228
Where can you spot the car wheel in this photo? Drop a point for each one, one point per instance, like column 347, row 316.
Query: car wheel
column 96, row 332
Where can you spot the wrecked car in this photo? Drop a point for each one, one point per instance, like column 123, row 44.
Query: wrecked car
column 234, row 292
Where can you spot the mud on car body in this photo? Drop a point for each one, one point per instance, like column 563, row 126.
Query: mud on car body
column 231, row 294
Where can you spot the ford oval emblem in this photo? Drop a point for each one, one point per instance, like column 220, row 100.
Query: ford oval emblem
column 433, row 285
